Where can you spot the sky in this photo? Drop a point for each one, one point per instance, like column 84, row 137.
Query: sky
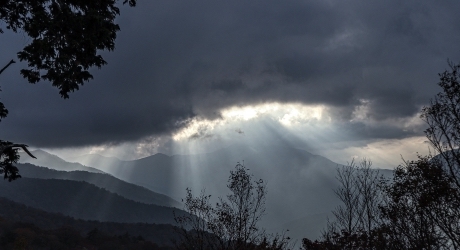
column 343, row 79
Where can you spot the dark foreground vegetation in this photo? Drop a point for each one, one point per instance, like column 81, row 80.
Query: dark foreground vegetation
column 419, row 208
column 65, row 41
column 14, row 215
column 232, row 223
column 27, row 236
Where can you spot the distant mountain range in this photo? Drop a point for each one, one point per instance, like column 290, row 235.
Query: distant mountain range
column 102, row 180
column 293, row 176
column 82, row 200
column 45, row 159
column 299, row 184
column 162, row 234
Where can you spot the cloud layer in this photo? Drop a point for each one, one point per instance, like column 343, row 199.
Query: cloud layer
column 177, row 60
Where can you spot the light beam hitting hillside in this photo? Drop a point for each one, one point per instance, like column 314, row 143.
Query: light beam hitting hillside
column 318, row 129
column 310, row 127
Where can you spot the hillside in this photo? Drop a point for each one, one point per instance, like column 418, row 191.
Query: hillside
column 83, row 201
column 293, row 176
column 18, row 213
column 45, row 159
column 105, row 181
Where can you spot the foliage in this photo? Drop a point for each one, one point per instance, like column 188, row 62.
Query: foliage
column 443, row 119
column 232, row 222
column 422, row 211
column 9, row 156
column 66, row 37
column 420, row 207
column 345, row 240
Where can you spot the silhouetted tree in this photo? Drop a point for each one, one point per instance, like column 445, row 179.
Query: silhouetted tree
column 232, row 222
column 420, row 207
column 443, row 119
column 9, row 156
column 422, row 210
column 356, row 221
column 66, row 37
column 347, row 215
column 360, row 194
column 344, row 240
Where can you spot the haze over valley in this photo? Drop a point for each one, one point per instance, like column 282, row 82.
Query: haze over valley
column 291, row 175
column 132, row 103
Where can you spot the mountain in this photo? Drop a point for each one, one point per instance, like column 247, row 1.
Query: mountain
column 298, row 183
column 82, row 200
column 45, row 159
column 104, row 163
column 11, row 211
column 105, row 181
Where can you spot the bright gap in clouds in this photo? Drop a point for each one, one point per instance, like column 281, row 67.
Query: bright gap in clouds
column 309, row 127
column 286, row 114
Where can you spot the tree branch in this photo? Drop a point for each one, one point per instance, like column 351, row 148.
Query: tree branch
column 11, row 62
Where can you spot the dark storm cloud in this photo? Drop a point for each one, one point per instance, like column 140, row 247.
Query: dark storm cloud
column 177, row 59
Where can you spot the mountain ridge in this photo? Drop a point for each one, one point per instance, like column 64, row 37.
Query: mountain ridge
column 45, row 159
column 160, row 234
column 82, row 200
column 102, row 180
column 293, row 176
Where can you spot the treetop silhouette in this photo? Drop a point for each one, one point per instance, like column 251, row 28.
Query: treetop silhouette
column 66, row 39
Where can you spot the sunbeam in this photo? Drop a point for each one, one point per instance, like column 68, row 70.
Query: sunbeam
column 309, row 127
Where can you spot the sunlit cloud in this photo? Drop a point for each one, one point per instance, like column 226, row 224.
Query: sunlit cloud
column 97, row 149
column 384, row 153
column 310, row 127
column 287, row 114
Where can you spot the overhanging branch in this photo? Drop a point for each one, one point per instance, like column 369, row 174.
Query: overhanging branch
column 11, row 62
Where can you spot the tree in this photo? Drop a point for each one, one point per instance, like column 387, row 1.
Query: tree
column 420, row 206
column 356, row 222
column 418, row 209
column 8, row 151
column 361, row 194
column 443, row 119
column 66, row 37
column 232, row 222
column 422, row 209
